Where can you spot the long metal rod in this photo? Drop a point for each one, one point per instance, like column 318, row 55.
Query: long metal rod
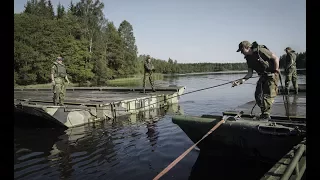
column 293, row 163
column 303, row 168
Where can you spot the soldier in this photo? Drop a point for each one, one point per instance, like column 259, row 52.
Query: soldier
column 148, row 70
column 59, row 78
column 291, row 70
column 266, row 64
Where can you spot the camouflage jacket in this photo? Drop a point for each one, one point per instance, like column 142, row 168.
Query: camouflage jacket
column 290, row 60
column 148, row 67
column 261, row 60
column 58, row 70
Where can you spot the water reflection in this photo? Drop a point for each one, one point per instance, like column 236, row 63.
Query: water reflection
column 135, row 146
column 92, row 150
column 292, row 106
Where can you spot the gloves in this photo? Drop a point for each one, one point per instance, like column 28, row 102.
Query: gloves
column 237, row 82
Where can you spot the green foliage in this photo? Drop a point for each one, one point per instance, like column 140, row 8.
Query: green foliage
column 130, row 49
column 115, row 50
column 93, row 48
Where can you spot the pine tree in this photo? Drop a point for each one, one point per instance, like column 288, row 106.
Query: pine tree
column 50, row 10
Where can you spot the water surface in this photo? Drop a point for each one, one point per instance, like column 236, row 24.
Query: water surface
column 136, row 147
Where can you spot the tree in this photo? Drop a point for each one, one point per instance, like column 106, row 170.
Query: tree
column 130, row 49
column 72, row 8
column 60, row 11
column 91, row 14
column 30, row 7
column 126, row 33
column 50, row 10
column 114, row 49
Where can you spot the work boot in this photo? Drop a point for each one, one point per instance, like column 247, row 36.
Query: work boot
column 295, row 91
column 264, row 117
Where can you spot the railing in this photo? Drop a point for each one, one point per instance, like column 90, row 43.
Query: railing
column 295, row 163
column 284, row 170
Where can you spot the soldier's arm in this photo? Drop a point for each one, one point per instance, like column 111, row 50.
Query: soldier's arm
column 276, row 62
column 52, row 73
column 249, row 74
column 146, row 66
column 241, row 81
column 67, row 79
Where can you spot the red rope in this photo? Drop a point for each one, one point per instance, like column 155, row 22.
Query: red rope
column 163, row 172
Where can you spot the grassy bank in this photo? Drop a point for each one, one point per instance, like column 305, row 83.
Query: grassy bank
column 135, row 80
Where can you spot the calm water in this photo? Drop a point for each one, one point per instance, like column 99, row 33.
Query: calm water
column 136, row 147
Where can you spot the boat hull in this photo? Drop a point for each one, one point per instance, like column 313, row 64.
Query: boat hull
column 255, row 139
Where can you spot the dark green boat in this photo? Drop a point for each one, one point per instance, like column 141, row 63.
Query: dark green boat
column 246, row 136
column 268, row 141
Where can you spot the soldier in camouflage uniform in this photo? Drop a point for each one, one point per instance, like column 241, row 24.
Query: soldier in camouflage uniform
column 291, row 70
column 266, row 64
column 148, row 70
column 59, row 78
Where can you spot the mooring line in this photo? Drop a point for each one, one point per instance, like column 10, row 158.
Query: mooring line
column 194, row 92
column 170, row 166
column 179, row 95
column 227, row 80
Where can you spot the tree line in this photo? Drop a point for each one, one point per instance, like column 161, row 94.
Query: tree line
column 92, row 47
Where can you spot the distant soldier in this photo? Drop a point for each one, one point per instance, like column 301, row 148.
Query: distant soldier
column 291, row 70
column 266, row 64
column 59, row 78
column 148, row 70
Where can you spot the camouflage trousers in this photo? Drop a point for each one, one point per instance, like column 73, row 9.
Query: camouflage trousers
column 266, row 91
column 59, row 91
column 149, row 74
column 291, row 75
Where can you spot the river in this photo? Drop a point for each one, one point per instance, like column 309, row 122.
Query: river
column 139, row 149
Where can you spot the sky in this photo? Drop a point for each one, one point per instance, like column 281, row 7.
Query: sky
column 206, row 30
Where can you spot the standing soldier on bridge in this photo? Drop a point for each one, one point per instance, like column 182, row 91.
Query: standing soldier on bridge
column 291, row 70
column 266, row 64
column 148, row 70
column 59, row 78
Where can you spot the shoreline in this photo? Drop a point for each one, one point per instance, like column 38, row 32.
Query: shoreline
column 137, row 78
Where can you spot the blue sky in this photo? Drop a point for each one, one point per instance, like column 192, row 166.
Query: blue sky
column 206, row 30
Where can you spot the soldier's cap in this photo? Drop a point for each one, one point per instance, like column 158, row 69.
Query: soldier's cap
column 289, row 49
column 59, row 58
column 148, row 56
column 243, row 44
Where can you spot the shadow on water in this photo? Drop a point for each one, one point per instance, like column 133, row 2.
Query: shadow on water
column 230, row 166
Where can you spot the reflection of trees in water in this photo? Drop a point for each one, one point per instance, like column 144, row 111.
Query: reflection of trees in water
column 59, row 147
column 29, row 141
column 81, row 148
column 94, row 140
column 172, row 80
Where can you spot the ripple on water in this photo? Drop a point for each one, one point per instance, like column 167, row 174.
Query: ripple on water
column 122, row 149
